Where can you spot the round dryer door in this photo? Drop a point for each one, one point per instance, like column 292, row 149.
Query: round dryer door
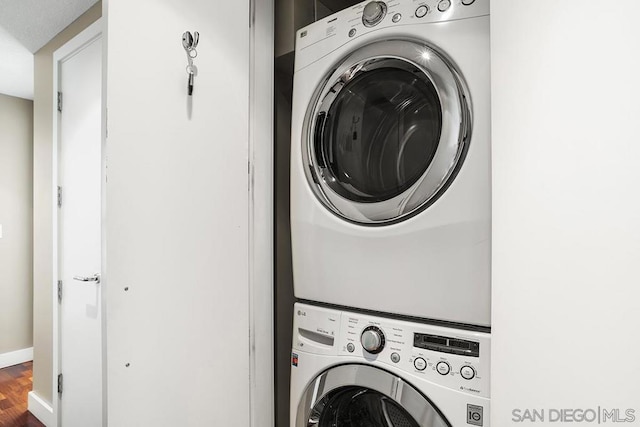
column 386, row 132
column 361, row 395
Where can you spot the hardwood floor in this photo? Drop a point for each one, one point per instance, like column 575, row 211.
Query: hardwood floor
column 15, row 383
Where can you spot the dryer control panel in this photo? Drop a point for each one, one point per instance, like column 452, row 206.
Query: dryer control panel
column 371, row 16
column 453, row 358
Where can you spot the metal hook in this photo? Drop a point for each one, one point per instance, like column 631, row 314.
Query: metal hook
column 187, row 40
column 196, row 39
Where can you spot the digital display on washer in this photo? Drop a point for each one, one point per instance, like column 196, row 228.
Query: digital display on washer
column 446, row 344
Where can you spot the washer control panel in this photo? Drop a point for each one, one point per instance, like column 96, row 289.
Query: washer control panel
column 453, row 358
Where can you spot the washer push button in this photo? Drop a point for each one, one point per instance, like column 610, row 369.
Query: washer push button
column 444, row 5
column 467, row 372
column 443, row 368
column 421, row 11
column 420, row 364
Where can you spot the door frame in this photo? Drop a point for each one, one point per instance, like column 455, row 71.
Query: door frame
column 261, row 213
column 69, row 49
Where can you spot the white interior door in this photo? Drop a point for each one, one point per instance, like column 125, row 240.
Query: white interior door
column 79, row 252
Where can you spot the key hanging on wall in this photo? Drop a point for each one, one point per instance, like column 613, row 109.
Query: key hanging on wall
column 189, row 43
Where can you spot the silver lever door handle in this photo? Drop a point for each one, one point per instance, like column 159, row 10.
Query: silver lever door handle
column 94, row 278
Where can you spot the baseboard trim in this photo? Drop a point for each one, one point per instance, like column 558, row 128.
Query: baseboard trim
column 16, row 357
column 41, row 409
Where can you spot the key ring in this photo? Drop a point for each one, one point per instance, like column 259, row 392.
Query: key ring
column 189, row 43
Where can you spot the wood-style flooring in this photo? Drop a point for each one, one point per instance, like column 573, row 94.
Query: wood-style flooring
column 15, row 384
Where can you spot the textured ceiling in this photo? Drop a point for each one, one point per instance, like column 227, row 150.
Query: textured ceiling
column 26, row 26
column 34, row 22
column 16, row 67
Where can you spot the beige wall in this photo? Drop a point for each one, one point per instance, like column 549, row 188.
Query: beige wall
column 42, row 203
column 16, row 207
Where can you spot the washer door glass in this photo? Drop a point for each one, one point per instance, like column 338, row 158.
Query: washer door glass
column 356, row 406
column 386, row 132
column 364, row 396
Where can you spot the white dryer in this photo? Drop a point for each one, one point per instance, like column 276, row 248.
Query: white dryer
column 390, row 160
column 350, row 370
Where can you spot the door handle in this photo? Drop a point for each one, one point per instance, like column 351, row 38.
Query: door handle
column 94, row 278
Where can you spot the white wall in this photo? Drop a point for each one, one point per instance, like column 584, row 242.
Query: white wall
column 566, row 206
column 177, row 217
column 16, row 220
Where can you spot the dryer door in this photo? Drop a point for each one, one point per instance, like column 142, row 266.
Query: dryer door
column 361, row 395
column 386, row 132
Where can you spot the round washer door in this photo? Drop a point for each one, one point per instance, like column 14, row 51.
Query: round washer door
column 386, row 132
column 361, row 395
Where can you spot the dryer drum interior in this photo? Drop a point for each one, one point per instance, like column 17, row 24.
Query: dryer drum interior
column 386, row 132
column 361, row 395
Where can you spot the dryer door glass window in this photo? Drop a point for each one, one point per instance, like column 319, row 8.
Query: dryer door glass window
column 386, row 132
column 380, row 133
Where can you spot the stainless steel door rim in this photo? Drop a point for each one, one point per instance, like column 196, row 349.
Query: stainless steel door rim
column 395, row 193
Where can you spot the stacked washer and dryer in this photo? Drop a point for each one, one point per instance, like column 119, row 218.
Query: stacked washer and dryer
column 391, row 216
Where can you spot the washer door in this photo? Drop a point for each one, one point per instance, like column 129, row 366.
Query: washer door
column 386, row 132
column 361, row 395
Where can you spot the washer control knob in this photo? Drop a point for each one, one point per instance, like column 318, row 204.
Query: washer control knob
column 373, row 13
column 419, row 363
column 443, row 368
column 395, row 357
column 350, row 347
column 467, row 372
column 372, row 339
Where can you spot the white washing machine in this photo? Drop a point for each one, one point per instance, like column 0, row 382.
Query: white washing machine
column 390, row 160
column 351, row 370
